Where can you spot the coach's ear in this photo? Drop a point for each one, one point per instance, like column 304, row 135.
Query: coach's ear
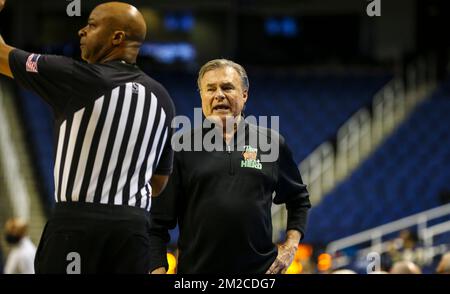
column 118, row 37
column 158, row 183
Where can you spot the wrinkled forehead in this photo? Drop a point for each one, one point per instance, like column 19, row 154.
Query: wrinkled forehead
column 221, row 75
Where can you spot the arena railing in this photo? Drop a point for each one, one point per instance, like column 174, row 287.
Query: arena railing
column 375, row 236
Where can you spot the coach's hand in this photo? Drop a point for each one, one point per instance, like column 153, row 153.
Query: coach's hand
column 284, row 259
column 286, row 253
column 2, row 4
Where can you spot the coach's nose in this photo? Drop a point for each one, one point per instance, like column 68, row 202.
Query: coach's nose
column 219, row 95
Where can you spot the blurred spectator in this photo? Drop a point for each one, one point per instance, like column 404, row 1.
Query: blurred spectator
column 405, row 268
column 390, row 256
column 21, row 257
column 409, row 239
column 402, row 248
column 444, row 265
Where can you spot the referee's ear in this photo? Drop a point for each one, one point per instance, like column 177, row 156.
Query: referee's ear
column 118, row 38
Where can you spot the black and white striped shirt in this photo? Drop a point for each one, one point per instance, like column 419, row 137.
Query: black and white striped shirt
column 112, row 123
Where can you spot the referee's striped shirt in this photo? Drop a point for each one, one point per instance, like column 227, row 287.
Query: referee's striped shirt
column 112, row 124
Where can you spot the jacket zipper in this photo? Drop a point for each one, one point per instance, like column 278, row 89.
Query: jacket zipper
column 231, row 169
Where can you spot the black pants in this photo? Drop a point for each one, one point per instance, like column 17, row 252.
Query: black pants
column 94, row 238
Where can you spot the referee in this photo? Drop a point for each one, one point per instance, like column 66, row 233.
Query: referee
column 112, row 144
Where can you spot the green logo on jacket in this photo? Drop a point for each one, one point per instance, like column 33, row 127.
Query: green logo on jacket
column 250, row 160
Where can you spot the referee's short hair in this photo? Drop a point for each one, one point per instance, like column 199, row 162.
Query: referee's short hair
column 220, row 63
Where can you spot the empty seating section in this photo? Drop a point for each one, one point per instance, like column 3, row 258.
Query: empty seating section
column 404, row 176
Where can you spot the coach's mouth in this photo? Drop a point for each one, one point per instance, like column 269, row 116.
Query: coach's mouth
column 221, row 108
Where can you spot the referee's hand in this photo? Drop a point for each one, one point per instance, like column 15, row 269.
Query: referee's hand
column 2, row 4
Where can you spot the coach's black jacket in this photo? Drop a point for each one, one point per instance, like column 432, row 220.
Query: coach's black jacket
column 222, row 202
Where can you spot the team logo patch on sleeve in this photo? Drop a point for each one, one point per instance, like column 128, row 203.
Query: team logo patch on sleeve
column 32, row 63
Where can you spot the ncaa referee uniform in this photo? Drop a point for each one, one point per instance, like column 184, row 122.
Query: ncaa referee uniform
column 112, row 134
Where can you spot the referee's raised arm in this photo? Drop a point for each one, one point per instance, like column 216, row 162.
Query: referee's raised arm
column 4, row 52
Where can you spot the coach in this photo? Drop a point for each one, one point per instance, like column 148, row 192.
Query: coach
column 113, row 148
column 222, row 199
